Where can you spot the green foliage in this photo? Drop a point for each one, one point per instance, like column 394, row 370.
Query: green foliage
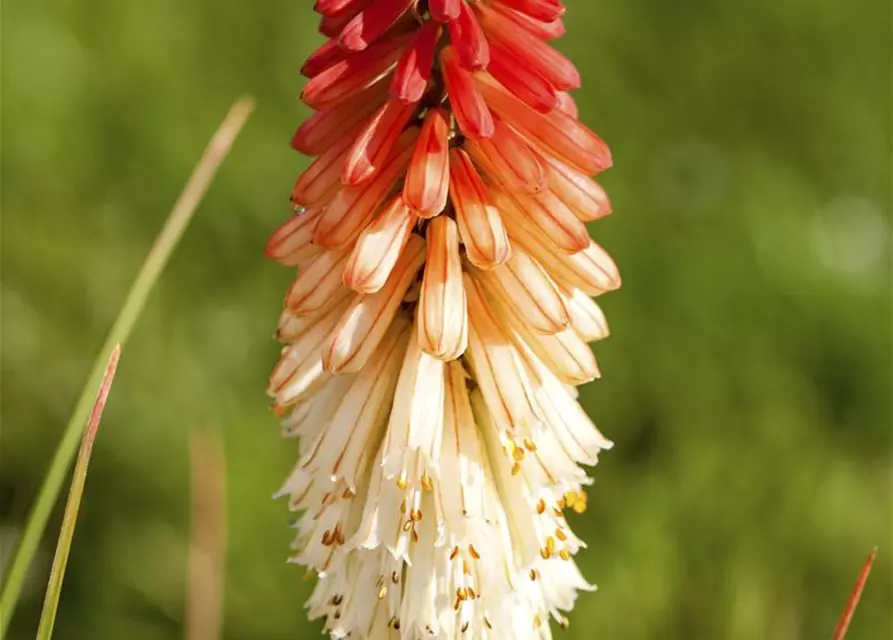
column 746, row 385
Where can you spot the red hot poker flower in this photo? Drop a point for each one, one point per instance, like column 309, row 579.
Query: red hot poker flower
column 439, row 319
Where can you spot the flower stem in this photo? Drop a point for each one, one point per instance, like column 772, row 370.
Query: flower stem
column 164, row 245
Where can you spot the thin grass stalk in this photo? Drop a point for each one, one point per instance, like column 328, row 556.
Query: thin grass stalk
column 844, row 623
column 73, row 505
column 164, row 245
column 207, row 543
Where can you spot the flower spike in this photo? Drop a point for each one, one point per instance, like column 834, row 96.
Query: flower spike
column 438, row 322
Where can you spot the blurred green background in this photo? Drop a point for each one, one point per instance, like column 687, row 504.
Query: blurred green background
column 746, row 385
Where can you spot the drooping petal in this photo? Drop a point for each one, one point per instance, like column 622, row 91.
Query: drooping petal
column 524, row 284
column 353, row 208
column 545, row 10
column 469, row 40
column 323, row 58
column 530, row 87
column 293, row 326
column 587, row 316
column 356, row 72
column 508, row 160
column 370, row 24
column 414, row 67
column 543, row 30
column 578, row 192
column 528, row 50
column 556, row 133
column 565, row 353
column 322, row 179
column 292, row 242
column 466, row 101
column 375, row 142
column 480, row 225
column 416, row 420
column 338, row 450
column 567, row 105
column 444, row 10
column 326, row 128
column 428, row 177
column 442, row 314
column 316, row 282
column 497, row 365
column 378, row 248
column 591, row 270
column 336, row 16
column 299, row 372
column 334, row 7
column 544, row 213
column 364, row 323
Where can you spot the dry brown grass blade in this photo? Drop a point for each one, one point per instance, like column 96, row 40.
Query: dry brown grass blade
column 207, row 544
column 844, row 623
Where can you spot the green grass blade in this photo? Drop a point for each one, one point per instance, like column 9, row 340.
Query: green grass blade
column 167, row 240
column 72, row 507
